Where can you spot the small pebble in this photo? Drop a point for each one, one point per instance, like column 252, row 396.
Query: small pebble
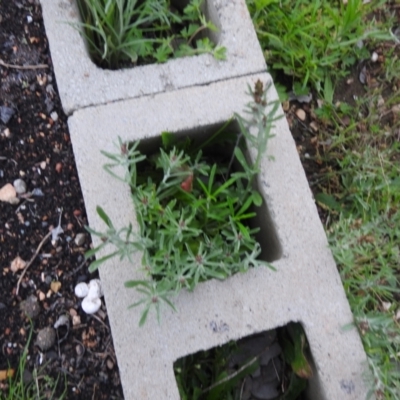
column 301, row 114
column 62, row 320
column 110, row 364
column 314, row 126
column 6, row 113
column 76, row 320
column 17, row 264
column 43, row 164
column 37, row 192
column 30, row 307
column 29, row 19
column 19, row 186
column 46, row 338
column 54, row 116
column 8, row 193
column 374, row 57
column 80, row 239
column 58, row 167
column 55, row 286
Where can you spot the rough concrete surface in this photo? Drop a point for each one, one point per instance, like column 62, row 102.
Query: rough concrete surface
column 306, row 286
column 82, row 84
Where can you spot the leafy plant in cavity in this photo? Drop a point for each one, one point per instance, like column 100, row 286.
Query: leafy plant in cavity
column 192, row 212
column 120, row 33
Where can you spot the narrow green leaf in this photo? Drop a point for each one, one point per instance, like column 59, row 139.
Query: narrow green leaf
column 95, row 264
column 257, row 199
column 102, row 214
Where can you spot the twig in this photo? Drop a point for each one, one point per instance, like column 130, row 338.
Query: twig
column 201, row 28
column 31, row 260
column 38, row 66
column 98, row 319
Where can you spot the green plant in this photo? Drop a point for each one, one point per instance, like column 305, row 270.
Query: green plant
column 313, row 42
column 120, row 33
column 40, row 387
column 192, row 210
column 226, row 372
column 361, row 192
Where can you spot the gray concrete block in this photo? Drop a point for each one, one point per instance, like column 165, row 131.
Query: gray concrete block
column 306, row 286
column 81, row 83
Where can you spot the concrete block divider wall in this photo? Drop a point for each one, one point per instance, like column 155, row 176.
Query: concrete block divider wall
column 306, row 286
column 82, row 84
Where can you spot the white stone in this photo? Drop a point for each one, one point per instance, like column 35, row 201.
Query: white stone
column 81, row 289
column 95, row 288
column 91, row 304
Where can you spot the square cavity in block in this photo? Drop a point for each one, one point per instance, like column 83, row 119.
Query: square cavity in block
column 82, row 84
column 220, row 154
column 176, row 6
column 261, row 366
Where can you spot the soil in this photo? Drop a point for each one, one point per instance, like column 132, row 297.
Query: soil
column 35, row 146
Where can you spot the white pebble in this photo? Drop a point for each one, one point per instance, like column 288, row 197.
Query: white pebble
column 95, row 288
column 81, row 289
column 91, row 304
column 374, row 57
column 54, row 116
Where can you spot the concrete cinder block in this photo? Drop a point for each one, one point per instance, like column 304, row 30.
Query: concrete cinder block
column 306, row 286
column 81, row 83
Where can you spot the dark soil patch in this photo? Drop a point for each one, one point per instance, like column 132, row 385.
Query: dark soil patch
column 35, row 147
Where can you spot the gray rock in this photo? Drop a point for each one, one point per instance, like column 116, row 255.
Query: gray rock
column 19, row 186
column 45, row 338
column 80, row 239
column 6, row 113
column 37, row 192
column 30, row 307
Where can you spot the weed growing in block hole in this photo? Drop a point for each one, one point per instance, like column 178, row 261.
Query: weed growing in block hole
column 123, row 33
column 193, row 206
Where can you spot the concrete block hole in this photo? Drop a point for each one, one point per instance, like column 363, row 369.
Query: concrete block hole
column 207, row 8
column 270, row 365
column 267, row 236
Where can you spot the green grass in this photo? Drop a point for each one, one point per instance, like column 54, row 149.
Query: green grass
column 304, row 39
column 362, row 194
column 39, row 387
column 358, row 178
